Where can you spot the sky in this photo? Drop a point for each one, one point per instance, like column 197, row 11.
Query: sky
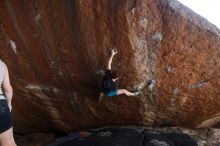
column 209, row 9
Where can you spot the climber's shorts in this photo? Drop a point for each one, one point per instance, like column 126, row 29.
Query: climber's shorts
column 112, row 93
column 5, row 116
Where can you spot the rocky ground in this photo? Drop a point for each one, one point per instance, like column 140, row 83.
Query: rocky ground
column 204, row 137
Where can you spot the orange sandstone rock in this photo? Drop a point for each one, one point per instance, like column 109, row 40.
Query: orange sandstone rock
column 57, row 51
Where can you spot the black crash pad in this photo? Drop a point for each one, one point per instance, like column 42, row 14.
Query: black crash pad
column 127, row 137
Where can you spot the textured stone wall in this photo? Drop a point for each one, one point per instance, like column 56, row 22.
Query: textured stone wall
column 57, row 51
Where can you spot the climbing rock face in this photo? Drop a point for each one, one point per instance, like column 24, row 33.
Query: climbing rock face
column 57, row 52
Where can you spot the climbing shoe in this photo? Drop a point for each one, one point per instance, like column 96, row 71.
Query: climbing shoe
column 137, row 93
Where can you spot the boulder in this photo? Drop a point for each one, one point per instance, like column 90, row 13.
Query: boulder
column 34, row 139
column 56, row 52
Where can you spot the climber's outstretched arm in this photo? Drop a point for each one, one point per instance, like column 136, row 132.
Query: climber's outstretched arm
column 113, row 52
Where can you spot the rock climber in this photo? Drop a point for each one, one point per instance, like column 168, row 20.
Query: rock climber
column 108, row 86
